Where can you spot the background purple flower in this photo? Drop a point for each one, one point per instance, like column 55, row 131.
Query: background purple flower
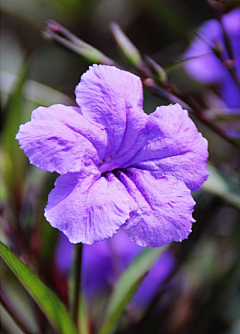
column 206, row 67
column 106, row 260
column 119, row 167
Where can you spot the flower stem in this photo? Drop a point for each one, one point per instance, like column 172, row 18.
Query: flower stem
column 77, row 277
column 59, row 34
column 188, row 102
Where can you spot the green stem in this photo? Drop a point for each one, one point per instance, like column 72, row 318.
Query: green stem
column 55, row 32
column 59, row 34
column 77, row 278
column 189, row 103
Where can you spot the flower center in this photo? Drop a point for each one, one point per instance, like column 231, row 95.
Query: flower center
column 107, row 165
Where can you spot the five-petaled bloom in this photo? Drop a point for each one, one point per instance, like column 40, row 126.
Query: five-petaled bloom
column 118, row 166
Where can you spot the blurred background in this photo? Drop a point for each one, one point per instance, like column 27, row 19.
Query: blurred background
column 37, row 72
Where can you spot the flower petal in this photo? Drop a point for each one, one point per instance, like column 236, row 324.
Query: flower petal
column 174, row 147
column 229, row 93
column 153, row 280
column 164, row 210
column 112, row 98
column 61, row 139
column 90, row 209
column 205, row 65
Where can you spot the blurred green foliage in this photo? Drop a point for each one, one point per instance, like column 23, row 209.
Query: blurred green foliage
column 36, row 72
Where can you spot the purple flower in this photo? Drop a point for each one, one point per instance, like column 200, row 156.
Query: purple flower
column 119, row 167
column 109, row 258
column 206, row 67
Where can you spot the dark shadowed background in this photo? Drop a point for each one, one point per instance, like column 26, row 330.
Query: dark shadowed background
column 37, row 72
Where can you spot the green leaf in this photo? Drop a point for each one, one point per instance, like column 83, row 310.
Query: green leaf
column 126, row 46
column 225, row 117
column 223, row 185
column 59, row 34
column 83, row 317
column 46, row 299
column 13, row 160
column 33, row 91
column 127, row 286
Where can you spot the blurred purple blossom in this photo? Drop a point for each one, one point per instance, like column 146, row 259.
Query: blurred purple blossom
column 119, row 167
column 207, row 68
column 106, row 260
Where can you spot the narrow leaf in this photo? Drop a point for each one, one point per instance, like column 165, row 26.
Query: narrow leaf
column 222, row 185
column 13, row 160
column 46, row 299
column 33, row 91
column 59, row 34
column 128, row 48
column 128, row 285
